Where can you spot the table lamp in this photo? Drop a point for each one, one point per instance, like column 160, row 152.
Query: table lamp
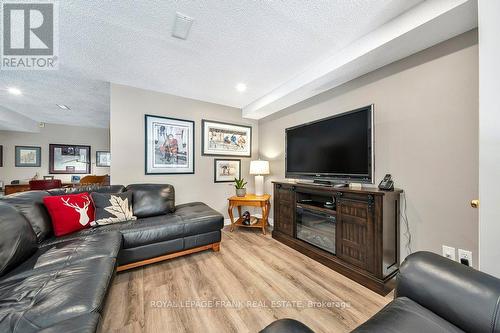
column 259, row 169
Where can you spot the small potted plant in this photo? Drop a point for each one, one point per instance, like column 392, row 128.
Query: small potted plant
column 239, row 184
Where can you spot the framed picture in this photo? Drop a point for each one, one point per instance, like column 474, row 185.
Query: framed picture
column 226, row 170
column 69, row 159
column 1, row 156
column 103, row 158
column 169, row 145
column 27, row 156
column 223, row 139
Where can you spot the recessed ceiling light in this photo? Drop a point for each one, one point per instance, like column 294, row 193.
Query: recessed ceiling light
column 14, row 91
column 241, row 87
column 64, row 107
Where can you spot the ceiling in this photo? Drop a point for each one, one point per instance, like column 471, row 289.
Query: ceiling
column 43, row 90
column 264, row 44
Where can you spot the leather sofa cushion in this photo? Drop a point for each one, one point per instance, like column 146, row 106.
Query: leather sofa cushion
column 152, row 199
column 17, row 238
column 467, row 298
column 88, row 188
column 202, row 239
column 65, row 253
column 199, row 218
column 404, row 315
column 135, row 233
column 86, row 323
column 47, row 298
column 151, row 230
column 139, row 253
column 30, row 204
column 189, row 219
column 286, row 326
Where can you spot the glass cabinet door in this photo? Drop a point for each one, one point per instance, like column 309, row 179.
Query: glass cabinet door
column 316, row 228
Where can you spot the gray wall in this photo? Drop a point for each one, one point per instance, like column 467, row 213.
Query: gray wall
column 128, row 106
column 97, row 138
column 426, row 136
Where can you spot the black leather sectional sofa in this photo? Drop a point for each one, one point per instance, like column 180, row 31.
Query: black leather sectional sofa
column 50, row 284
column 433, row 294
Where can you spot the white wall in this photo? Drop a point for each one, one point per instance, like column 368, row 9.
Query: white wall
column 426, row 136
column 97, row 138
column 128, row 106
column 489, row 139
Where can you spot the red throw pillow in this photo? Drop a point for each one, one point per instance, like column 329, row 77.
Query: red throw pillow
column 70, row 213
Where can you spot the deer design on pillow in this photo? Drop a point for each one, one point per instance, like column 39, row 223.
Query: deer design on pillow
column 84, row 217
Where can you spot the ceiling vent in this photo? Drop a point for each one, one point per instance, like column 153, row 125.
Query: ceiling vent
column 182, row 25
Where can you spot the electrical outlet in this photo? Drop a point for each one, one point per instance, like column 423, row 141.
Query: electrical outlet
column 465, row 257
column 449, row 252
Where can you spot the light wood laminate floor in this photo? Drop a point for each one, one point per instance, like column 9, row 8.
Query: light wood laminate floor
column 251, row 282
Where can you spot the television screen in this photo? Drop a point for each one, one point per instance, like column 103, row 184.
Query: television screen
column 336, row 148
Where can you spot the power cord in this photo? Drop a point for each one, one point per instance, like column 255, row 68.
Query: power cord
column 406, row 232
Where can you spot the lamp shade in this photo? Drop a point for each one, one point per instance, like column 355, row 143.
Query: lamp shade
column 259, row 167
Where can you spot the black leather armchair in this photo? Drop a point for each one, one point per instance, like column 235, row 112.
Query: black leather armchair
column 433, row 294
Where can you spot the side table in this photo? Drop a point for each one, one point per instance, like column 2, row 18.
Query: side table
column 261, row 201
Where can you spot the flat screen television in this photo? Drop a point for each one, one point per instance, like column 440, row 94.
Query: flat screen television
column 337, row 149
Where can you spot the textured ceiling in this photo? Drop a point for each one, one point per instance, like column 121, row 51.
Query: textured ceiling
column 42, row 90
column 421, row 27
column 260, row 43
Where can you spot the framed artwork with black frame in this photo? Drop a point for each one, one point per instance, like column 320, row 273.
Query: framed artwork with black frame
column 226, row 170
column 169, row 145
column 225, row 139
column 69, row 159
column 103, row 158
column 28, row 156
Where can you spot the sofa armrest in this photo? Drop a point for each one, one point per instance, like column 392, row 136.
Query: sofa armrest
column 467, row 298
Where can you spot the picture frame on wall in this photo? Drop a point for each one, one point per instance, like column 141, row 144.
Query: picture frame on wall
column 226, row 170
column 103, row 158
column 69, row 159
column 28, row 157
column 169, row 145
column 225, row 139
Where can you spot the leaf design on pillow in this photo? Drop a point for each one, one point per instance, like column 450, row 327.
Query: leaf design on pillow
column 120, row 209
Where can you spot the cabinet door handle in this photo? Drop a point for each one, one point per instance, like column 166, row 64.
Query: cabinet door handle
column 474, row 203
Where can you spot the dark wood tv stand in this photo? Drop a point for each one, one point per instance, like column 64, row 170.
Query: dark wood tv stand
column 363, row 226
